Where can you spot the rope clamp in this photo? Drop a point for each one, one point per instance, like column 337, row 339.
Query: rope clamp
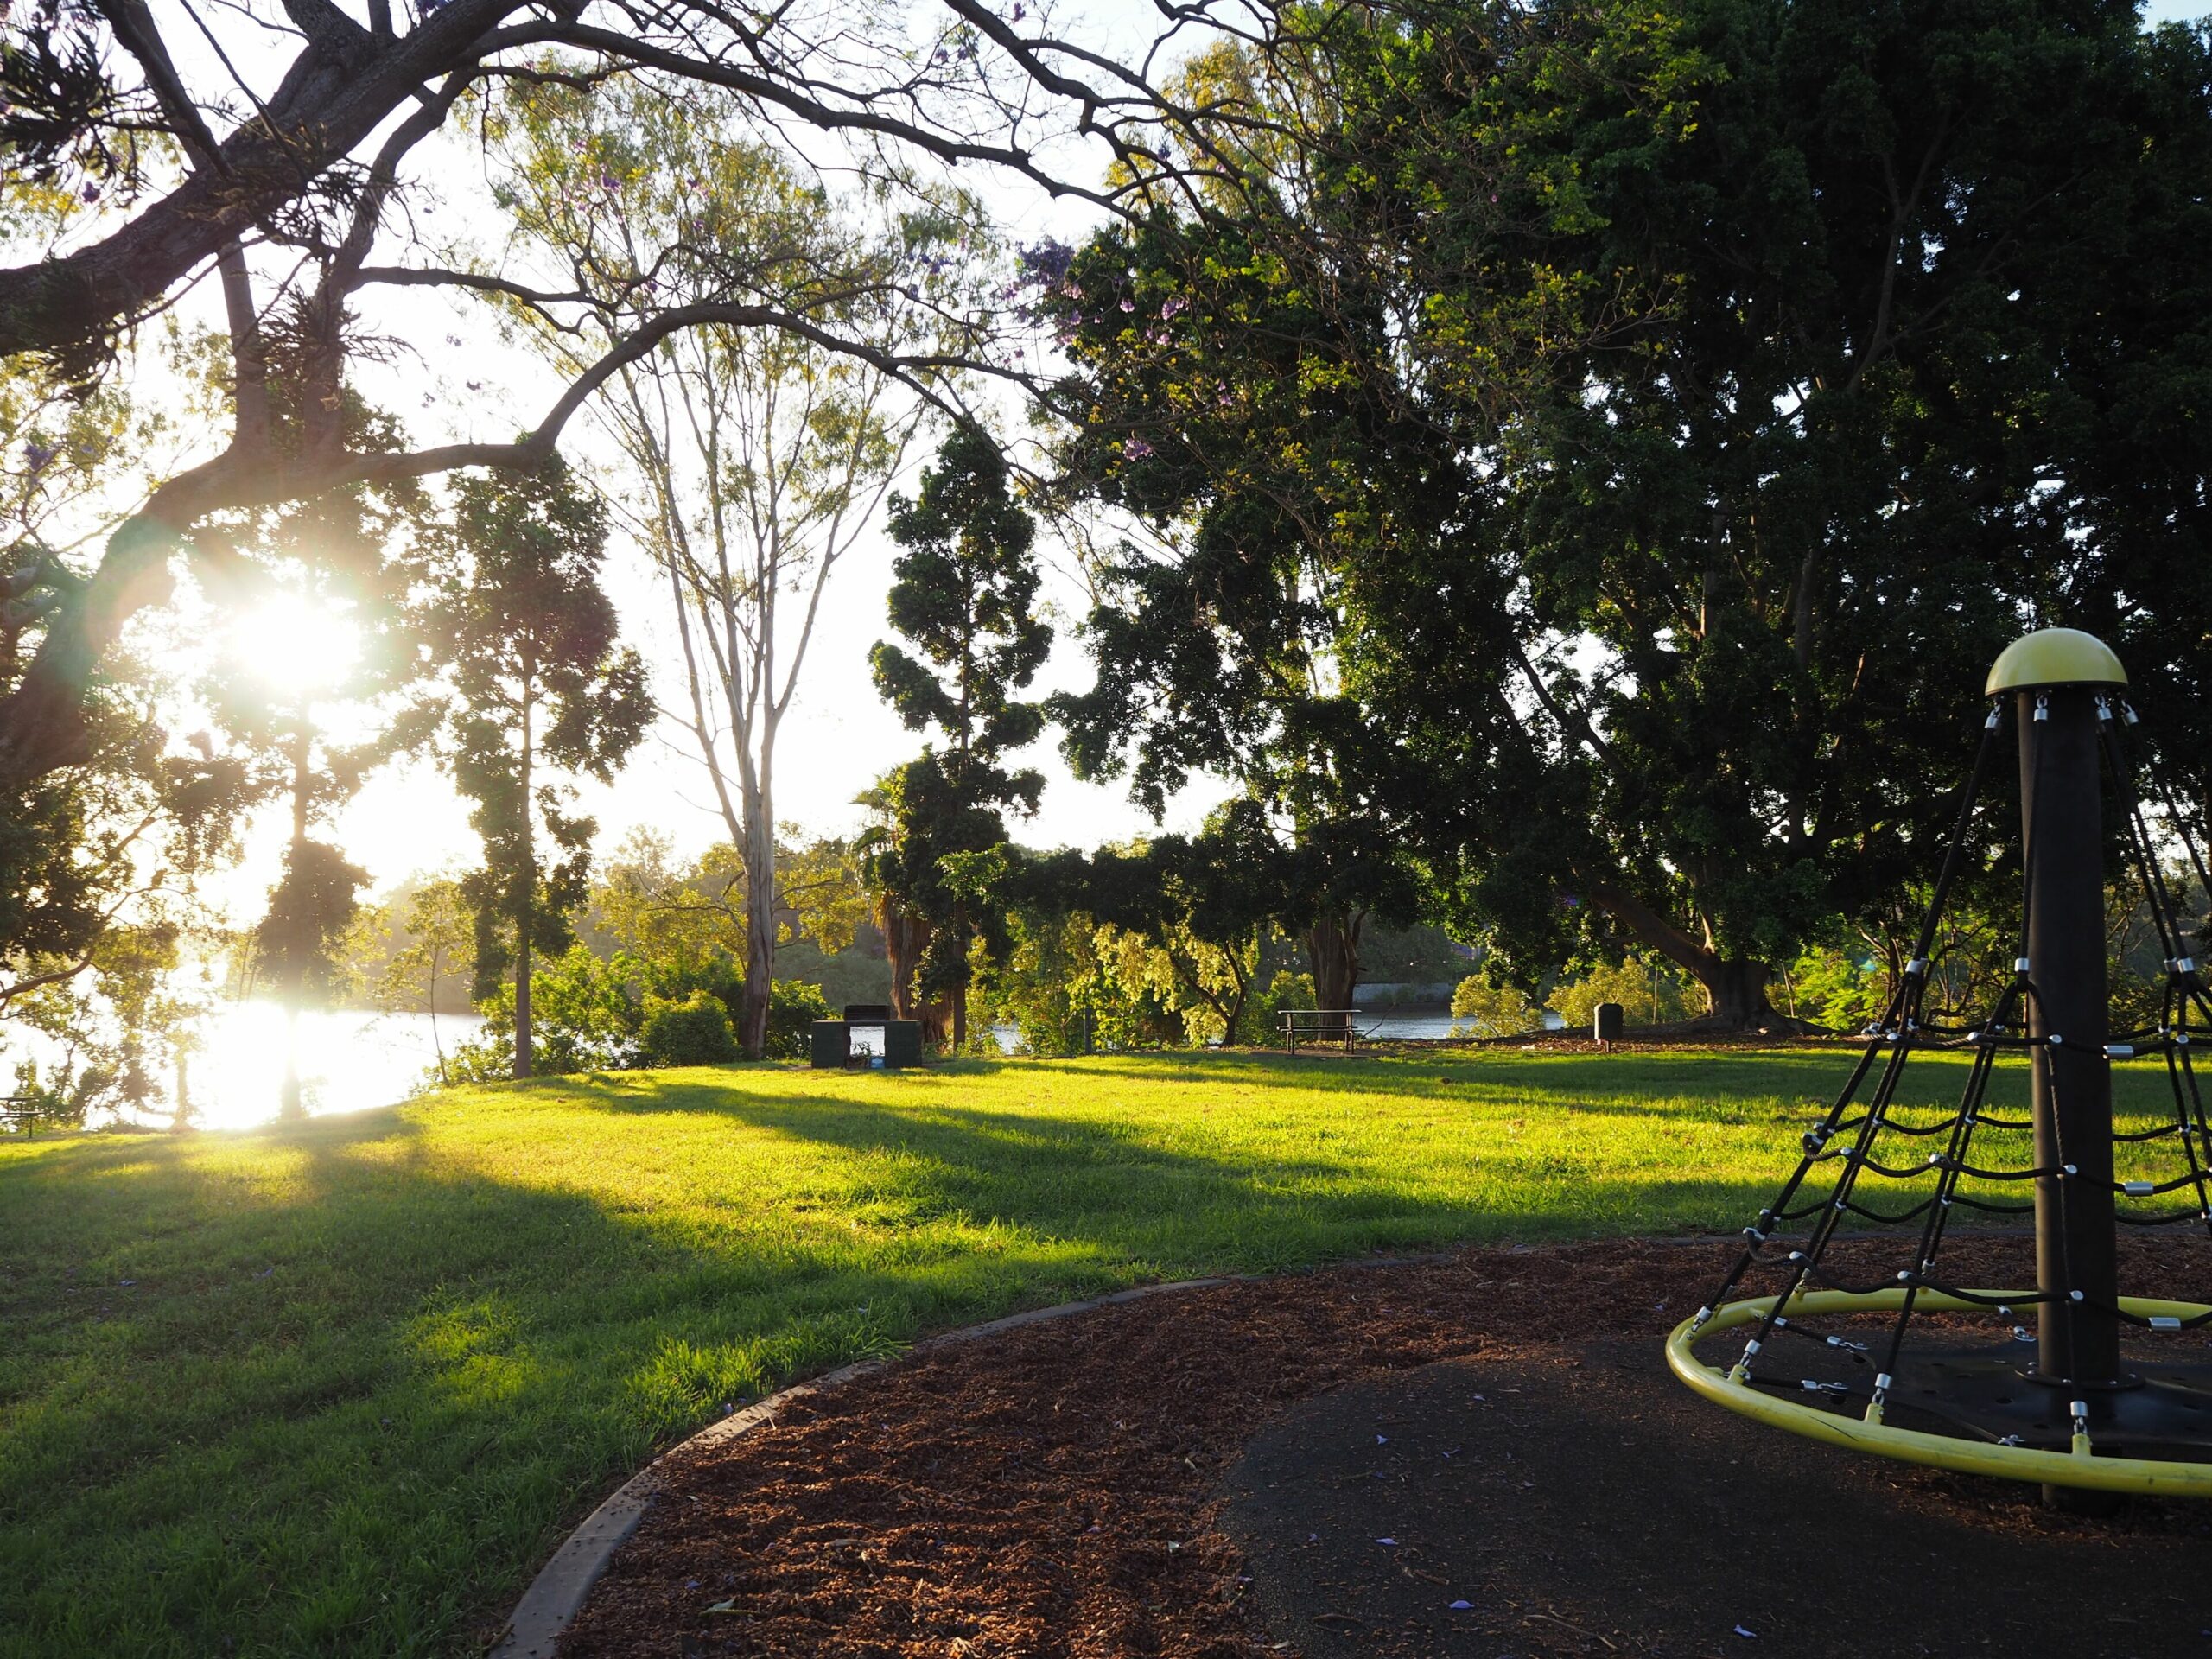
column 2165, row 1322
column 1917, row 967
column 2138, row 1188
column 2119, row 1051
column 2127, row 710
column 2020, row 964
column 2069, row 1169
column 1996, row 716
column 2043, row 705
column 2104, row 711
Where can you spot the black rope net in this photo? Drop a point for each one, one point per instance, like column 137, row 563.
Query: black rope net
column 1875, row 1161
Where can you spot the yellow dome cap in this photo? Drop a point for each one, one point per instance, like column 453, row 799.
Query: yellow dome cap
column 2054, row 657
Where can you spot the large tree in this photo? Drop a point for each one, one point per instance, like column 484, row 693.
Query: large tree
column 544, row 687
column 1738, row 377
column 963, row 595
column 754, row 459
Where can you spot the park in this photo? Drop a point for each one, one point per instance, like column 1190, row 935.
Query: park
column 889, row 828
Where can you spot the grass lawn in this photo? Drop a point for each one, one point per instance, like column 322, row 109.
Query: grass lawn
column 340, row 1388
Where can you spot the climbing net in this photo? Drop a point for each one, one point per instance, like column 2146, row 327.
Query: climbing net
column 1874, row 1160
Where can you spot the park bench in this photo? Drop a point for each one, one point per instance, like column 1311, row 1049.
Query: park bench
column 1332, row 1027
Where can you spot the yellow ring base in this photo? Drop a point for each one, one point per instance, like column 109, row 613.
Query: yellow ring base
column 2141, row 1475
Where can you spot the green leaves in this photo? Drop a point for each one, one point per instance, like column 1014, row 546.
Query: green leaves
column 964, row 594
column 530, row 641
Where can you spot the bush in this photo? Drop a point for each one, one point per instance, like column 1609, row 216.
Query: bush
column 1488, row 1010
column 1630, row 985
column 692, row 1030
column 584, row 1017
column 793, row 1007
column 1286, row 991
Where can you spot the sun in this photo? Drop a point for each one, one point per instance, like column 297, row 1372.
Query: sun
column 295, row 645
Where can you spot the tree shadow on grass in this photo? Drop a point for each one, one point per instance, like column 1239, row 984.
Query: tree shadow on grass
column 365, row 1369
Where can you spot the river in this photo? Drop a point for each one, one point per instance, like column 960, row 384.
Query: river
column 349, row 1058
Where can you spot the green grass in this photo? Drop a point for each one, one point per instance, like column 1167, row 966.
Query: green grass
column 340, row 1388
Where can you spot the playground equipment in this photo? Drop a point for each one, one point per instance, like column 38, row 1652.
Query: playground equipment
column 2103, row 1402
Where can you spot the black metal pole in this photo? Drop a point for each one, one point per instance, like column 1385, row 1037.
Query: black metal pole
column 2077, row 1342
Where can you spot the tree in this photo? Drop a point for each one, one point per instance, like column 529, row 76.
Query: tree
column 964, row 594
column 1680, row 423
column 543, row 687
column 1231, row 424
column 757, row 458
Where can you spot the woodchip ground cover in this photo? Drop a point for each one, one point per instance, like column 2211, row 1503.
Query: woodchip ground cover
column 339, row 1388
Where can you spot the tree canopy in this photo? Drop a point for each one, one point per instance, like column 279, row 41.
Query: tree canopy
column 1667, row 414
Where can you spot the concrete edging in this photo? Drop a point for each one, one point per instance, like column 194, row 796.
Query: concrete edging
column 556, row 1595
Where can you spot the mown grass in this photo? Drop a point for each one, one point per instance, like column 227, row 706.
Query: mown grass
column 339, row 1388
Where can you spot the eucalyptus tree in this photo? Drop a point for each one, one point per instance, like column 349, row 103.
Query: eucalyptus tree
column 544, row 687
column 753, row 459
column 964, row 596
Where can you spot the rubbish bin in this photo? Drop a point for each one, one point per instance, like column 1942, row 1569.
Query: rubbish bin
column 1609, row 1022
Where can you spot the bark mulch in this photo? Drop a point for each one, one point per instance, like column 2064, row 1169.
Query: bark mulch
column 1114, row 1483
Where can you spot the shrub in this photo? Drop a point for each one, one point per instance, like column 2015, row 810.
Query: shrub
column 1284, row 991
column 694, row 1030
column 1629, row 984
column 793, row 1007
column 1488, row 1010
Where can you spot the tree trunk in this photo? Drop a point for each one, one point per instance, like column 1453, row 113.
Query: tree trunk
column 760, row 926
column 437, row 1043
column 904, row 939
column 289, row 1104
column 183, row 1121
column 959, row 997
column 525, row 1049
column 1332, row 952
column 1735, row 988
column 1735, row 995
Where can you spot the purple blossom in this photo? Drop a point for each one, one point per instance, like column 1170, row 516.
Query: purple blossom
column 1175, row 305
column 1045, row 262
column 38, row 454
column 1128, row 305
column 1135, row 449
